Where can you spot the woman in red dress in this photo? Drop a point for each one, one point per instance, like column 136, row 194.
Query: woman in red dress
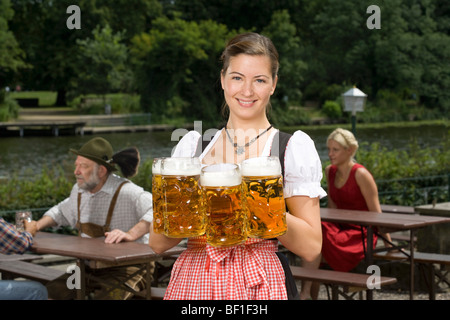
column 350, row 186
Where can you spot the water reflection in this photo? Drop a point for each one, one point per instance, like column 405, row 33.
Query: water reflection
column 29, row 155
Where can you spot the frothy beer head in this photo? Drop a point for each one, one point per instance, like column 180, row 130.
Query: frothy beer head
column 220, row 175
column 261, row 166
column 180, row 166
column 156, row 166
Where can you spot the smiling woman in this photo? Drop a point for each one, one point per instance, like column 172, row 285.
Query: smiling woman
column 248, row 91
column 252, row 270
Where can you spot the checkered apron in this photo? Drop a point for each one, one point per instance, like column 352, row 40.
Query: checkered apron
column 251, row 271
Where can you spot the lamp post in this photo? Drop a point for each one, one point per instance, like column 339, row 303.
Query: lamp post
column 354, row 101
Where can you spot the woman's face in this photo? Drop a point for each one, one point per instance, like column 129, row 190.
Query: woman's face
column 337, row 153
column 248, row 85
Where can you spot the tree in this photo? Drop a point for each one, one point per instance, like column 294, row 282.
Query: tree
column 412, row 53
column 292, row 68
column 102, row 66
column 11, row 55
column 177, row 66
column 40, row 27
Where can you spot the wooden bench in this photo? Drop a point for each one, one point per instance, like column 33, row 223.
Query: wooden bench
column 17, row 257
column 21, row 269
column 157, row 293
column 426, row 261
column 337, row 279
column 389, row 208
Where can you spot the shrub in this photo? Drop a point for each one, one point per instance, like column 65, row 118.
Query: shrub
column 332, row 109
column 409, row 177
column 9, row 109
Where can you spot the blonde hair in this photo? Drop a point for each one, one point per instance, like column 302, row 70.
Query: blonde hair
column 344, row 138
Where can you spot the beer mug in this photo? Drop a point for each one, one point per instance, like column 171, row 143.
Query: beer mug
column 263, row 187
column 181, row 192
column 224, row 205
column 158, row 200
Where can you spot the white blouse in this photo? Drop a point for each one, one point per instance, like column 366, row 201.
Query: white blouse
column 302, row 166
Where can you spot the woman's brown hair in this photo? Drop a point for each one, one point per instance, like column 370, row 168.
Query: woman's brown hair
column 253, row 44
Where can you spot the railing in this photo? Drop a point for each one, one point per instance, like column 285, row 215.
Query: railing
column 415, row 190
column 411, row 191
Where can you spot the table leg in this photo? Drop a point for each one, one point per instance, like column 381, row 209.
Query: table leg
column 148, row 281
column 411, row 264
column 369, row 257
column 81, row 293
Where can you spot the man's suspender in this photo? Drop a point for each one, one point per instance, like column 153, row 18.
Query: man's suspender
column 92, row 229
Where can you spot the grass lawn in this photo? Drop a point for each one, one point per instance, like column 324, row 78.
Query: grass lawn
column 46, row 98
column 121, row 102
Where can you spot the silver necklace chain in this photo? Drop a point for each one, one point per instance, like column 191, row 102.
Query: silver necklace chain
column 241, row 149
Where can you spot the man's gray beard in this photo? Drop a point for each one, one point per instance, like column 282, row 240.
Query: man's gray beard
column 93, row 181
column 88, row 186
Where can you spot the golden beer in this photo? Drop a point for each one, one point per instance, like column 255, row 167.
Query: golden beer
column 183, row 215
column 158, row 200
column 263, row 187
column 224, row 205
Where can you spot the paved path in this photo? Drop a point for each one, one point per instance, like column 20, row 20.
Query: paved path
column 95, row 124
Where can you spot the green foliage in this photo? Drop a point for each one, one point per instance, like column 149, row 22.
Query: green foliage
column 332, row 109
column 176, row 68
column 397, row 106
column 144, row 176
column 175, row 47
column 9, row 108
column 293, row 116
column 39, row 191
column 412, row 176
column 283, row 34
column 11, row 55
column 102, row 64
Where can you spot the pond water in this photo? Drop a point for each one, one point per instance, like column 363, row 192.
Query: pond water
column 28, row 155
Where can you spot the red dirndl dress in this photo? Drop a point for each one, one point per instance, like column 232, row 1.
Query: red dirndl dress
column 250, row 271
column 342, row 246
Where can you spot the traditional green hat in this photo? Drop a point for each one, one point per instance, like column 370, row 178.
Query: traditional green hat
column 98, row 150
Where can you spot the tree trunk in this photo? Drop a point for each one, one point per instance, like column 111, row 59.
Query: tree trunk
column 61, row 98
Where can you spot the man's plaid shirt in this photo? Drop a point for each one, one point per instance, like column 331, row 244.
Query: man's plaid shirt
column 13, row 241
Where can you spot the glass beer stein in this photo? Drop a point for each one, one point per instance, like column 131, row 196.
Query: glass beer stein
column 158, row 200
column 181, row 192
column 224, row 205
column 263, row 187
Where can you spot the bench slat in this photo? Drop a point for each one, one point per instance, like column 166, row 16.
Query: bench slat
column 337, row 277
column 419, row 257
column 21, row 257
column 157, row 293
column 29, row 270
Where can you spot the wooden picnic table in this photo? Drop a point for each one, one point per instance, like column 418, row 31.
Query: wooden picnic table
column 96, row 254
column 436, row 238
column 389, row 222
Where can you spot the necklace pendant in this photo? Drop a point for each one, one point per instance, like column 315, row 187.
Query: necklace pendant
column 239, row 150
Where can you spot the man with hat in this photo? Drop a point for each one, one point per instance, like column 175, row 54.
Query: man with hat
column 103, row 204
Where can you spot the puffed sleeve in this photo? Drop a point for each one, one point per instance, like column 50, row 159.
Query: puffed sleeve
column 303, row 168
column 187, row 146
